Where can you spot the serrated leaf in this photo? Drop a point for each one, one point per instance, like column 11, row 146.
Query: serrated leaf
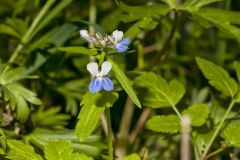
column 123, row 80
column 78, row 50
column 157, row 92
column 58, row 150
column 218, row 77
column 133, row 156
column 3, row 142
column 93, row 106
column 198, row 114
column 232, row 133
column 21, row 151
column 165, row 124
column 223, row 20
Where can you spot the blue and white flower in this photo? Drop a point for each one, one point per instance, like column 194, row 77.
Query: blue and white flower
column 100, row 78
column 121, row 45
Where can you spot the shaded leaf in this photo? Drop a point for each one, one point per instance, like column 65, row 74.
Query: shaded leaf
column 78, row 50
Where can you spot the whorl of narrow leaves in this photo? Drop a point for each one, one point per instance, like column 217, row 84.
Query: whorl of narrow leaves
column 21, row 151
column 16, row 93
column 218, row 77
column 157, row 92
column 93, row 106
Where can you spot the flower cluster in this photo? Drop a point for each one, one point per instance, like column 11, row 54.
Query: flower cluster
column 113, row 41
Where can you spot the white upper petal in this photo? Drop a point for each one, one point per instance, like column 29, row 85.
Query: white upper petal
column 84, row 33
column 106, row 67
column 92, row 67
column 117, row 35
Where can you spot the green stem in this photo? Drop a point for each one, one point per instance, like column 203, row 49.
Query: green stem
column 203, row 157
column 109, row 138
column 176, row 110
column 28, row 35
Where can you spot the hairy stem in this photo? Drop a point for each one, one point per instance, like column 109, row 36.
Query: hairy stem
column 92, row 20
column 203, row 157
column 109, row 136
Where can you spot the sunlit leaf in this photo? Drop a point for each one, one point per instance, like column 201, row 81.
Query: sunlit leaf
column 21, row 151
column 157, row 92
column 198, row 114
column 93, row 106
column 232, row 133
column 218, row 77
column 123, row 80
column 165, row 124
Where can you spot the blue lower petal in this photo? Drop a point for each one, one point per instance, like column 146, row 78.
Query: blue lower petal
column 125, row 41
column 121, row 48
column 107, row 84
column 95, row 85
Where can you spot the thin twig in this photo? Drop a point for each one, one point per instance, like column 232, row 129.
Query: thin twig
column 140, row 123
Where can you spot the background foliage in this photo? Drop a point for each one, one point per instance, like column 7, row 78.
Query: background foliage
column 182, row 60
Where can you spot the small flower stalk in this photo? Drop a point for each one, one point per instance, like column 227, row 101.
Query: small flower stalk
column 115, row 41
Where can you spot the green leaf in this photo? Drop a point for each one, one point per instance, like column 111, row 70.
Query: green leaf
column 123, row 80
column 78, row 50
column 232, row 133
column 218, row 77
column 198, row 114
column 157, row 92
column 136, row 12
column 93, row 106
column 196, row 4
column 3, row 142
column 222, row 19
column 50, row 118
column 237, row 69
column 170, row 3
column 23, row 92
column 21, row 151
column 59, row 150
column 133, row 156
column 146, row 23
column 51, row 14
column 165, row 124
